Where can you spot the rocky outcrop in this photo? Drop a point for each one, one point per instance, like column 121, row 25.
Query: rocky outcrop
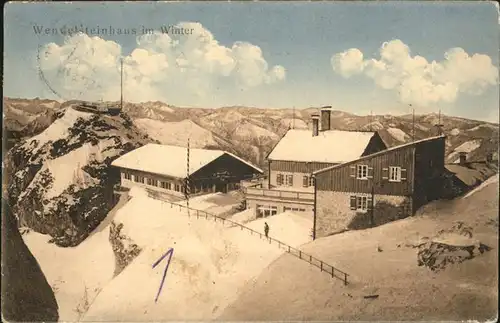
column 451, row 246
column 26, row 294
column 61, row 181
column 124, row 248
column 438, row 255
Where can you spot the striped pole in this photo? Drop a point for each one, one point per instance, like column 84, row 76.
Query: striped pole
column 187, row 186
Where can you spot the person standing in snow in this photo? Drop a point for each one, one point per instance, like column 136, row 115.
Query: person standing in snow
column 266, row 229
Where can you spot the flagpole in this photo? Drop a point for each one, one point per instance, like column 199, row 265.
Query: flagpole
column 187, row 182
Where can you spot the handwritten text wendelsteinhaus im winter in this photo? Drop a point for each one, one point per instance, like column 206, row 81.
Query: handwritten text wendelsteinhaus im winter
column 109, row 30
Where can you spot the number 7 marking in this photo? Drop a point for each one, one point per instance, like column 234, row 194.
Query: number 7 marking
column 170, row 252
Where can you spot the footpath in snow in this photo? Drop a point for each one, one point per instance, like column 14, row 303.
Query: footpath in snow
column 211, row 262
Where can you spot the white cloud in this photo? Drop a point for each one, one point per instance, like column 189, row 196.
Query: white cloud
column 161, row 67
column 348, row 63
column 418, row 81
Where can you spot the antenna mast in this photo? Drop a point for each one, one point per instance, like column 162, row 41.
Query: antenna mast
column 371, row 120
column 121, row 84
column 187, row 187
column 413, row 124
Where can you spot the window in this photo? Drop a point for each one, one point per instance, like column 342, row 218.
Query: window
column 266, row 210
column 311, row 181
column 138, row 179
column 362, row 172
column 279, row 179
column 294, row 209
column 360, row 203
column 165, row 185
column 289, row 180
column 127, row 176
column 394, row 174
column 305, row 181
column 150, row 181
column 155, row 182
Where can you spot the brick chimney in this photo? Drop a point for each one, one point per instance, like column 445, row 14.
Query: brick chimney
column 315, row 121
column 326, row 113
column 462, row 158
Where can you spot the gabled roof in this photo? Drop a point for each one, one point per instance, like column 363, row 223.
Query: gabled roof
column 409, row 144
column 170, row 160
column 331, row 146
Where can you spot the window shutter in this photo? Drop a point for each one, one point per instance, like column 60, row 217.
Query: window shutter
column 353, row 202
column 290, row 180
column 305, row 181
column 403, row 174
column 278, row 179
column 369, row 172
column 385, row 173
column 353, row 171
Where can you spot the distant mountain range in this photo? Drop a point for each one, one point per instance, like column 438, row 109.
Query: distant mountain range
column 252, row 132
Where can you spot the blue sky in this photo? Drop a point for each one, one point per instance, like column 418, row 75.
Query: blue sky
column 299, row 37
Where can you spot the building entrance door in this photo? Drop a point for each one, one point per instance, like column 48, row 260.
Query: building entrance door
column 221, row 188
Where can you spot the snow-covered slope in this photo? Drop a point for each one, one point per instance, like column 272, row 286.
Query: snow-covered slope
column 77, row 274
column 177, row 133
column 248, row 130
column 466, row 147
column 386, row 282
column 210, row 264
column 294, row 123
column 398, row 134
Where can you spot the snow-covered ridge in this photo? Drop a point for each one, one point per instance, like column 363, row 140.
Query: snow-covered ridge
column 59, row 129
column 489, row 181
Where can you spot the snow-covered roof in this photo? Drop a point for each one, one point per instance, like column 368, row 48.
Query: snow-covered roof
column 472, row 174
column 170, row 160
column 332, row 146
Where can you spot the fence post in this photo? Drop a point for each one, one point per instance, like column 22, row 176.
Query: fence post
column 300, row 254
column 345, row 279
column 288, row 249
column 332, row 271
column 197, row 214
column 310, row 258
column 321, row 266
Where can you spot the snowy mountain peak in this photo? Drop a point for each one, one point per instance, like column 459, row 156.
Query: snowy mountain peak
column 62, row 182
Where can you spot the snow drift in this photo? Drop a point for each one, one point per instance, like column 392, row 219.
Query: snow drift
column 210, row 264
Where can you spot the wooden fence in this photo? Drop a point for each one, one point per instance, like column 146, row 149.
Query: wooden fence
column 323, row 266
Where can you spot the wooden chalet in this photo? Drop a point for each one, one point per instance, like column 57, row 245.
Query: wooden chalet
column 163, row 168
column 379, row 187
column 297, row 155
